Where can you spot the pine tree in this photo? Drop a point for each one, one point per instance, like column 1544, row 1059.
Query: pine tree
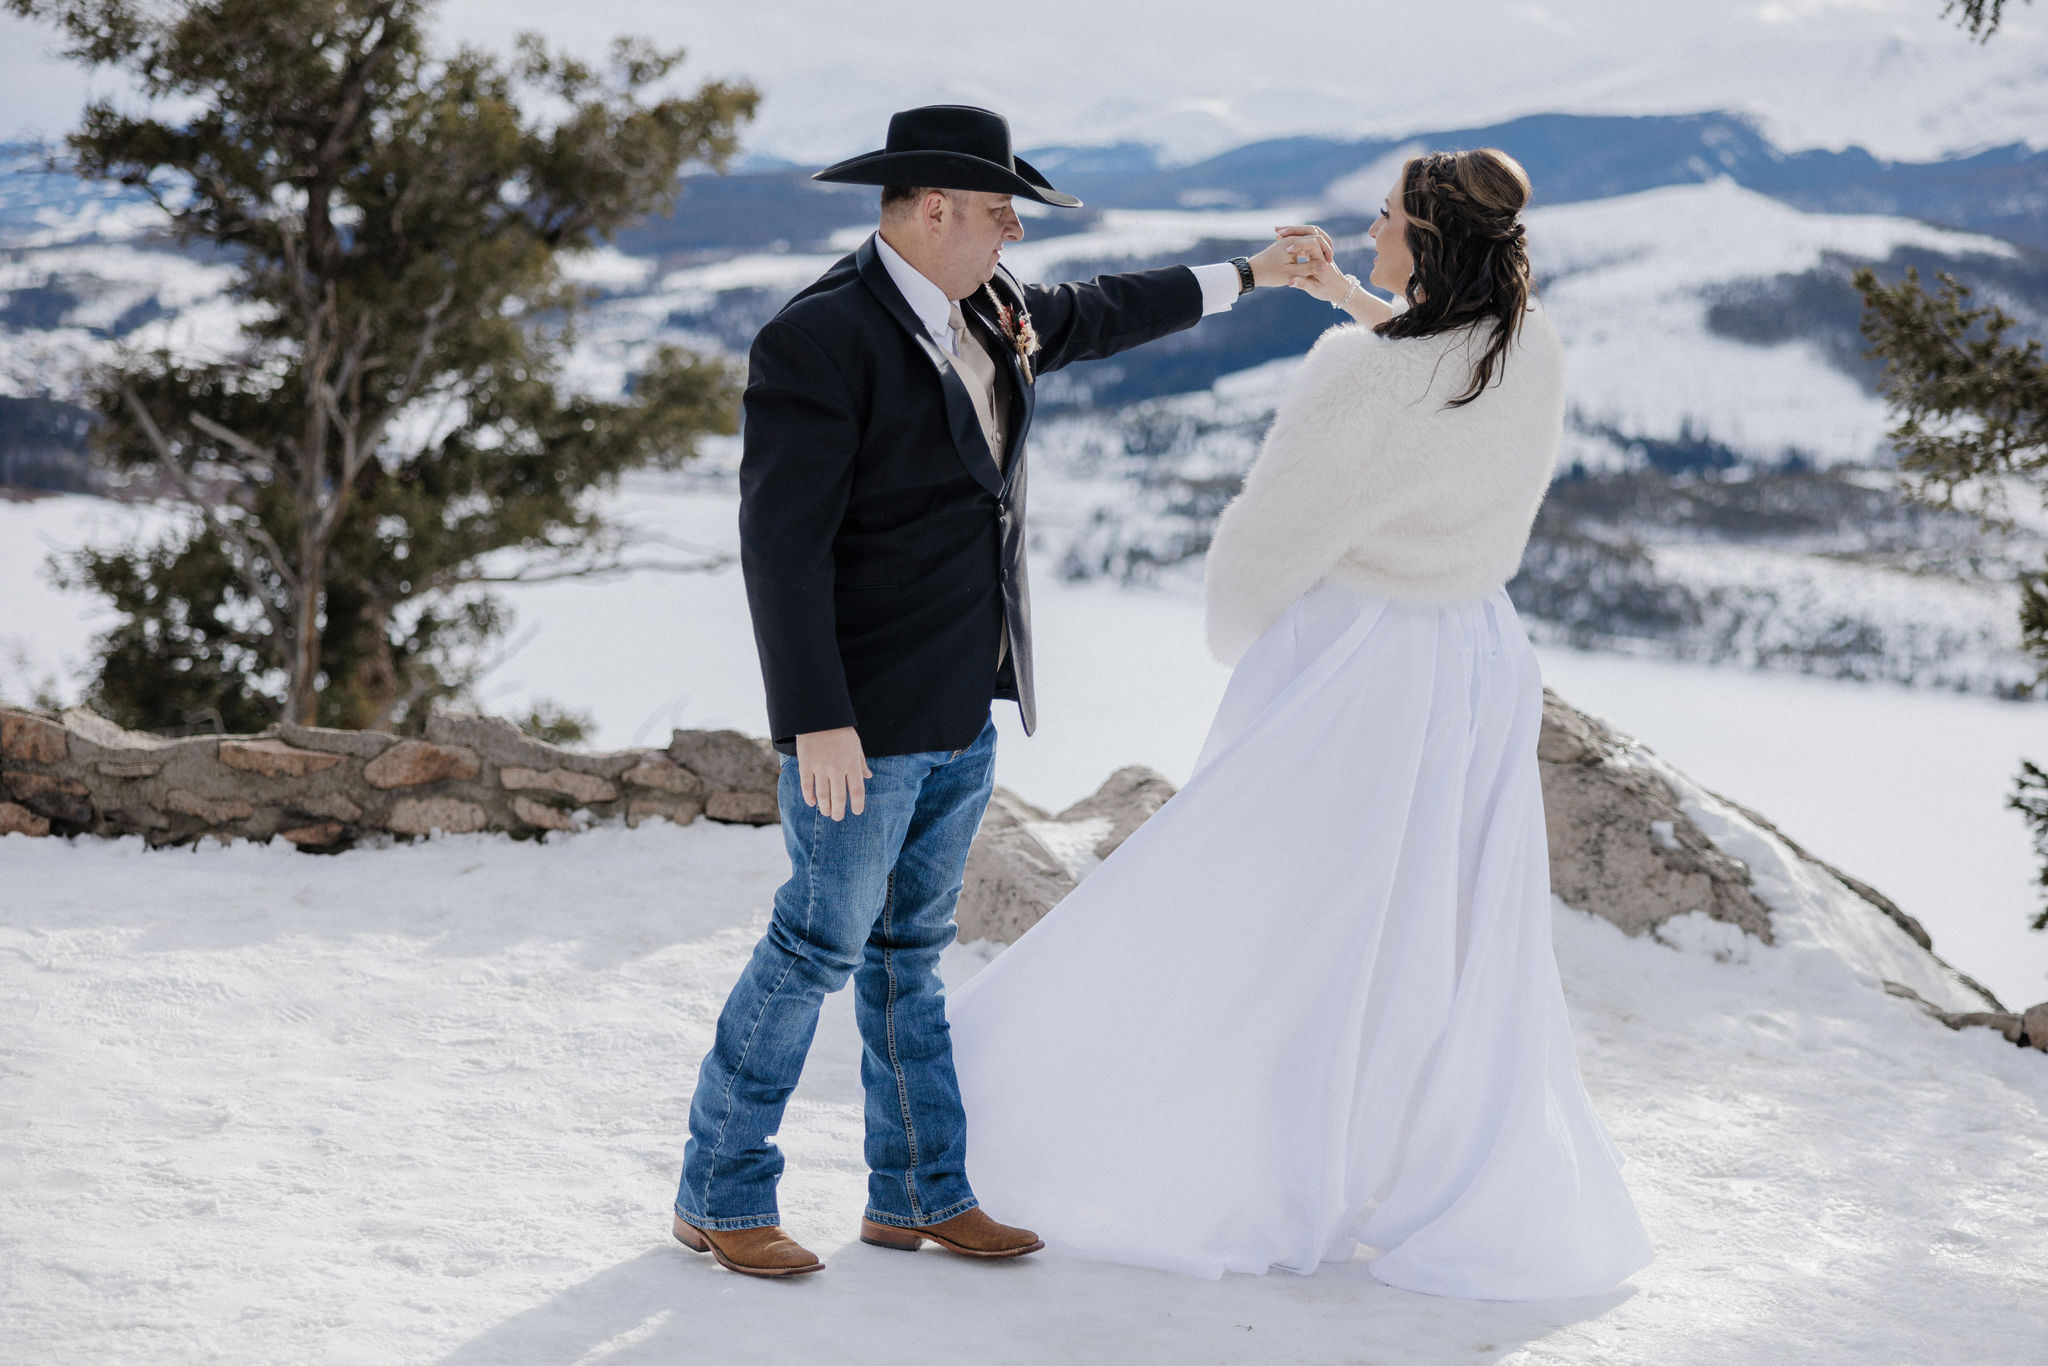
column 395, row 412
column 1972, row 422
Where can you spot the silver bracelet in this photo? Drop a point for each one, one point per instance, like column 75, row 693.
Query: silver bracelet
column 1339, row 304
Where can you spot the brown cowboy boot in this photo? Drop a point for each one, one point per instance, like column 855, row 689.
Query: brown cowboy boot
column 750, row 1251
column 972, row 1234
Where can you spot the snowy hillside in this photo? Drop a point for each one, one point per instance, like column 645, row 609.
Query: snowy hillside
column 426, row 1104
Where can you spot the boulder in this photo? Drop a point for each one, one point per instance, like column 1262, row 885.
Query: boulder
column 1127, row 801
column 1013, row 877
column 677, row 811
column 23, row 785
column 19, row 820
column 95, row 729
column 355, row 744
column 727, row 760
column 581, row 787
column 663, row 774
column 414, row 763
column 542, row 816
column 213, row 812
column 333, row 805
column 29, row 738
column 743, row 808
column 274, row 758
column 505, row 745
column 425, row 815
column 1620, row 845
column 2034, row 1024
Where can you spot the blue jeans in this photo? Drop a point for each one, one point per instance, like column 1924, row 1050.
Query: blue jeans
column 870, row 897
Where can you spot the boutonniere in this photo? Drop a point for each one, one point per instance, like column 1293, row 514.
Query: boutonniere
column 1015, row 325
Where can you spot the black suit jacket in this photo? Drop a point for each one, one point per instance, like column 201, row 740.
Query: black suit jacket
column 882, row 548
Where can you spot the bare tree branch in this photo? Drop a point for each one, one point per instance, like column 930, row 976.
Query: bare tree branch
column 600, row 571
column 228, row 528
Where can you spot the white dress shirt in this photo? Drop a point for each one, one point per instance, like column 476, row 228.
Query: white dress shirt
column 1219, row 284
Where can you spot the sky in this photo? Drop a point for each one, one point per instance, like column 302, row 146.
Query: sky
column 1198, row 76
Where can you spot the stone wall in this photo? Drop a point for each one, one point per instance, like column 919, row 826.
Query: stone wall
column 77, row 773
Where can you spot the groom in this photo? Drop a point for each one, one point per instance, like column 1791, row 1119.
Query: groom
column 882, row 540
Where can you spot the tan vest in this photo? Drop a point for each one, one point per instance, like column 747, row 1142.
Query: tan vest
column 988, row 385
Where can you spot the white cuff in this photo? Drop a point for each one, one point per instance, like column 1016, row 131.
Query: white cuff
column 1220, row 286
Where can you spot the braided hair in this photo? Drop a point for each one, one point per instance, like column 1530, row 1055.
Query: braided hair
column 1471, row 262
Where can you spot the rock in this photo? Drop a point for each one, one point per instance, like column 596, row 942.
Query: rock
column 212, row 812
column 31, row 738
column 356, row 744
column 726, row 760
column 19, row 820
column 315, row 836
column 115, row 768
column 743, row 808
column 275, row 758
column 676, row 812
column 1012, row 878
column 580, row 787
column 1621, row 847
column 411, row 763
column 542, row 815
column 332, row 805
column 1569, row 736
column 95, row 729
column 504, row 744
column 2034, row 1024
column 27, row 785
column 664, row 775
column 2004, row 1021
column 424, row 815
column 1128, row 800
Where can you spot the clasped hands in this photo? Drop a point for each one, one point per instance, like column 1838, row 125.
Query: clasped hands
column 1302, row 257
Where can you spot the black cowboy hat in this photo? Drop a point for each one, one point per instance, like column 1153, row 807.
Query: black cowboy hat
column 949, row 147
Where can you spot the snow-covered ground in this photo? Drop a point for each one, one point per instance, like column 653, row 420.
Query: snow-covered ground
column 427, row 1103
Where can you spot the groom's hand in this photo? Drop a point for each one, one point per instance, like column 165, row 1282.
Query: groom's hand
column 1299, row 250
column 833, row 770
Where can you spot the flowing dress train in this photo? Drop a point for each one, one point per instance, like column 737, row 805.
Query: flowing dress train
column 1312, row 1003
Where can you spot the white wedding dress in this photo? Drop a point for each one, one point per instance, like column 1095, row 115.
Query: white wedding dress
column 1312, row 1004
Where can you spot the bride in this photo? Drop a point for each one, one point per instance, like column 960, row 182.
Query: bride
column 1311, row 1005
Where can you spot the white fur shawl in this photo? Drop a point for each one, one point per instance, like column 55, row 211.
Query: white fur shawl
column 1366, row 479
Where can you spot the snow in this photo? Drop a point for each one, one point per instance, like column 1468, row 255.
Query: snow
column 1628, row 285
column 426, row 1104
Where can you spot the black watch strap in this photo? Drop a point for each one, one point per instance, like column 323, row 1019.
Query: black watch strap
column 1244, row 274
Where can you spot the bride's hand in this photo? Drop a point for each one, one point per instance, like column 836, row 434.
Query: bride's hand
column 1322, row 277
column 1278, row 264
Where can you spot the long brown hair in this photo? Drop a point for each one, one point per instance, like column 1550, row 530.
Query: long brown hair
column 1470, row 260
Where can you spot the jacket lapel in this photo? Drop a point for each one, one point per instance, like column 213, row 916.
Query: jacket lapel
column 965, row 426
